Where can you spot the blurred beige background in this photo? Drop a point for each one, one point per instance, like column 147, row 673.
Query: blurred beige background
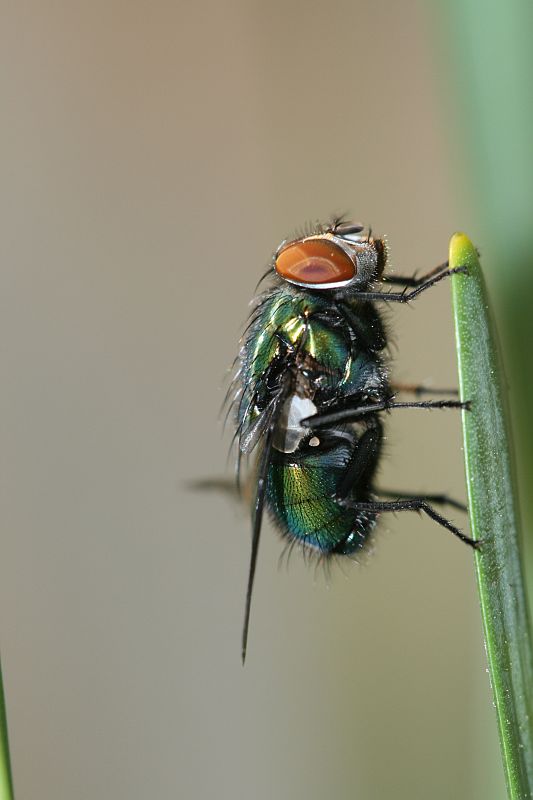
column 153, row 154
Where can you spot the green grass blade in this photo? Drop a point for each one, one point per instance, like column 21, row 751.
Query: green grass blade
column 6, row 783
column 494, row 519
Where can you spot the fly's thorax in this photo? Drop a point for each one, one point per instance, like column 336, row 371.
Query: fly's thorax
column 302, row 332
column 284, row 324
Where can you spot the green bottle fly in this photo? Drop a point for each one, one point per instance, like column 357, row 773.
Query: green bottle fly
column 311, row 386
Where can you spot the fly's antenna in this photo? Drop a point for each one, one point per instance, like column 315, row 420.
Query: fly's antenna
column 369, row 233
column 337, row 220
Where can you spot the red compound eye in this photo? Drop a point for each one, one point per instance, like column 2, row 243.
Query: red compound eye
column 315, row 261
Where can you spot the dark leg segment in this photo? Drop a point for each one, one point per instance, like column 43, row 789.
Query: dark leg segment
column 373, row 337
column 412, row 280
column 334, row 417
column 438, row 499
column 415, row 504
column 366, row 448
column 405, row 297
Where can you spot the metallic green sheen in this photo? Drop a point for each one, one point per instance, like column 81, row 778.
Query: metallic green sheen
column 283, row 317
column 300, row 495
column 284, row 314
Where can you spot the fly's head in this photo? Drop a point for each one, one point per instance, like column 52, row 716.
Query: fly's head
column 341, row 256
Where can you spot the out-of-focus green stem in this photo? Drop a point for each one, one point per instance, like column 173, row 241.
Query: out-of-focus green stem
column 6, row 782
column 494, row 519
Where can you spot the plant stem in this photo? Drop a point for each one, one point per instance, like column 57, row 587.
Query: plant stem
column 494, row 519
column 6, row 782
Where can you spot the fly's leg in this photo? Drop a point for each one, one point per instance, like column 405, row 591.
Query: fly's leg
column 412, row 504
column 373, row 338
column 405, row 296
column 358, row 463
column 412, row 280
column 334, row 416
column 355, row 471
column 437, row 499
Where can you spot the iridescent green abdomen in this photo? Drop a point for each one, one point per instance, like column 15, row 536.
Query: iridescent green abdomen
column 302, row 488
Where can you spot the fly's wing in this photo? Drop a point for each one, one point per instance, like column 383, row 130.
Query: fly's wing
column 248, row 434
column 268, row 428
column 254, row 431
